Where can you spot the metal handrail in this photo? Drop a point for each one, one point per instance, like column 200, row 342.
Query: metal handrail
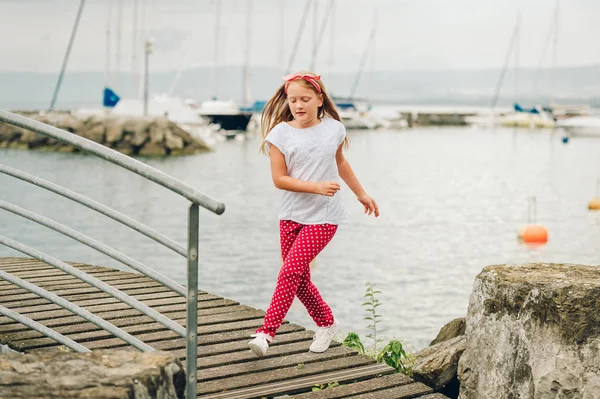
column 96, row 206
column 34, row 325
column 90, row 242
column 100, row 322
column 101, row 285
column 117, row 158
column 197, row 198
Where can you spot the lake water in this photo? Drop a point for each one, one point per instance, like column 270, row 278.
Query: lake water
column 451, row 202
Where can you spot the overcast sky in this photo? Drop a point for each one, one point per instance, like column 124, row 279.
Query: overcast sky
column 410, row 34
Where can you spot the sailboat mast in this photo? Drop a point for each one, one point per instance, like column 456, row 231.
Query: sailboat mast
column 372, row 66
column 107, row 49
column 331, row 42
column 513, row 40
column 298, row 35
column 134, row 53
column 119, row 37
column 517, row 53
column 66, row 59
column 245, row 91
column 366, row 52
column 554, row 51
column 282, row 35
column 317, row 42
column 216, row 49
column 315, row 34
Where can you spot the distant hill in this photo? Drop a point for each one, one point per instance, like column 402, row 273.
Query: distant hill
column 27, row 90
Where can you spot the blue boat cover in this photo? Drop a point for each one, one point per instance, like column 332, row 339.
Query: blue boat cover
column 518, row 108
column 110, row 98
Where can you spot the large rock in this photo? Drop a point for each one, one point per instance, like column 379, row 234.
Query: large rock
column 436, row 366
column 453, row 329
column 533, row 331
column 97, row 375
column 133, row 135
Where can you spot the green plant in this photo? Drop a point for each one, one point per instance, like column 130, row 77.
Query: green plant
column 393, row 355
column 352, row 341
column 371, row 304
column 320, row 387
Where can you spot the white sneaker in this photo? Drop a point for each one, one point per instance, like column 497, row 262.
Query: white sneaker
column 323, row 338
column 260, row 344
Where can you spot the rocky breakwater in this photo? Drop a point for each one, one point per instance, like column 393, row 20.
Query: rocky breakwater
column 145, row 136
column 98, row 375
column 533, row 331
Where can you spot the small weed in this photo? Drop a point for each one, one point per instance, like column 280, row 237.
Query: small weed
column 320, row 387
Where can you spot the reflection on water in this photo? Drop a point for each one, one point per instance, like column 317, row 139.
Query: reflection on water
column 451, row 202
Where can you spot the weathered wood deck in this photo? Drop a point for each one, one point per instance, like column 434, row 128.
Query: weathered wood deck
column 226, row 367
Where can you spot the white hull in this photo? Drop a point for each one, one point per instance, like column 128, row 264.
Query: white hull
column 528, row 120
column 582, row 126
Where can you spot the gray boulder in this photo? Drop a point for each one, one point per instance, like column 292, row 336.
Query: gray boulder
column 98, row 375
column 436, row 366
column 533, row 331
column 453, row 329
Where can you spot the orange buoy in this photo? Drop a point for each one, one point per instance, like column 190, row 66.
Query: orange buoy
column 535, row 234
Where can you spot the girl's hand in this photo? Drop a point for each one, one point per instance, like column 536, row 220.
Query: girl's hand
column 369, row 204
column 327, row 188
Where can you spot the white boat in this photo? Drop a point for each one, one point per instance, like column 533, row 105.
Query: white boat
column 537, row 117
column 355, row 114
column 582, row 126
column 226, row 114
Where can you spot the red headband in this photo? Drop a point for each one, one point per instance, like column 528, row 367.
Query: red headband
column 309, row 78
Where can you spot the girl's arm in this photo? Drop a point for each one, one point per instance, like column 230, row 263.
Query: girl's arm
column 347, row 174
column 284, row 182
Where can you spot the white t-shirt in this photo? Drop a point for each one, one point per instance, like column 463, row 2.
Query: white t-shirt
column 310, row 156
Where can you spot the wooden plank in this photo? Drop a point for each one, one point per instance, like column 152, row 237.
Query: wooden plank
column 62, row 278
column 244, row 354
column 55, row 273
column 413, row 390
column 76, row 283
column 163, row 304
column 43, row 267
column 18, row 261
column 28, row 298
column 302, row 384
column 26, row 308
column 93, row 329
column 375, row 384
column 205, row 316
column 436, row 395
column 265, row 377
column 165, row 343
column 273, row 363
column 149, row 329
column 88, row 289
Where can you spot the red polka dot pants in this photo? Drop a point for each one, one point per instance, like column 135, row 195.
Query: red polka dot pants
column 300, row 244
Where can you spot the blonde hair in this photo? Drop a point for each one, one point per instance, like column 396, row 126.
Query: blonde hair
column 277, row 109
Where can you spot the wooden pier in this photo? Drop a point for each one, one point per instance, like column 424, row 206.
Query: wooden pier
column 226, row 366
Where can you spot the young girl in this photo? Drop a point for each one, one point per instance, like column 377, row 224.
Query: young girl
column 303, row 136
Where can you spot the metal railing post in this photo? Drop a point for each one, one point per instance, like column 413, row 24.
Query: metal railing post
column 192, row 302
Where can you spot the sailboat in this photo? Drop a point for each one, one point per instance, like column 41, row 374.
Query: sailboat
column 355, row 112
column 538, row 116
column 226, row 113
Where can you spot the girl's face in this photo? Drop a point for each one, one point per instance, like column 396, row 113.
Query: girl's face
column 304, row 103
